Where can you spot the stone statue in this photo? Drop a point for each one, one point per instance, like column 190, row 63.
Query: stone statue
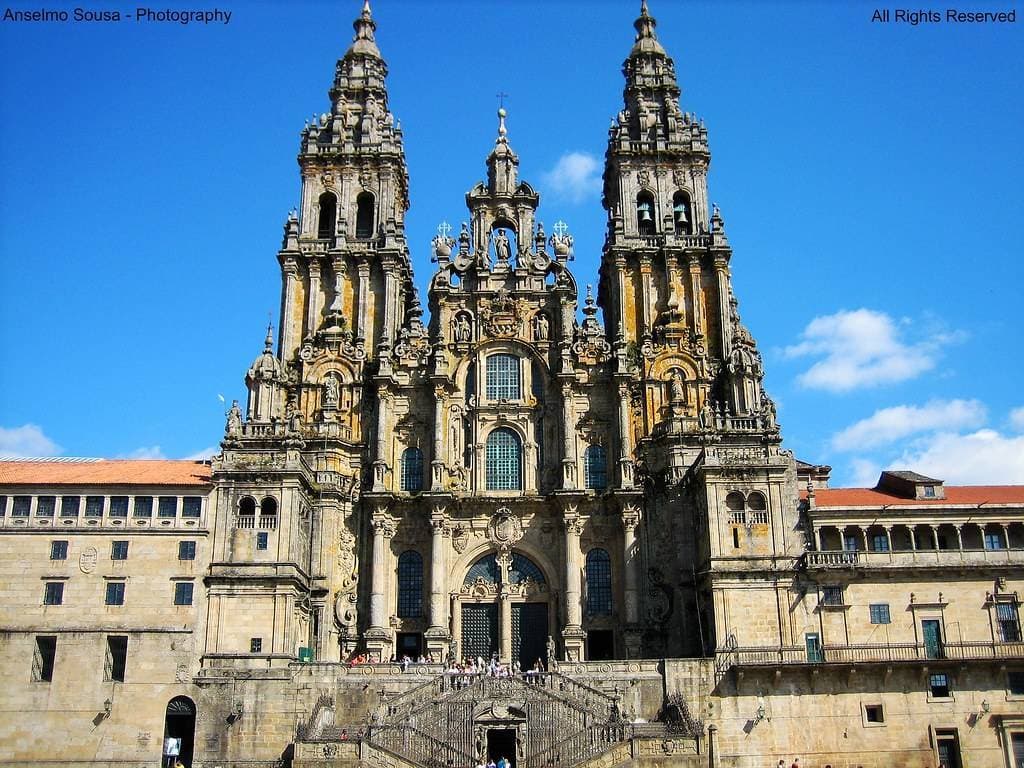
column 502, row 249
column 552, row 662
column 462, row 328
column 707, row 415
column 678, row 393
column 542, row 327
column 768, row 409
column 234, row 425
column 331, row 392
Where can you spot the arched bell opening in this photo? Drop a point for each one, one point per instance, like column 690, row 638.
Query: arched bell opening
column 328, row 216
column 645, row 214
column 682, row 213
column 364, row 216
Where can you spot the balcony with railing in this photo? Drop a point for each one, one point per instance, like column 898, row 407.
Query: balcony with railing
column 884, row 653
column 921, row 558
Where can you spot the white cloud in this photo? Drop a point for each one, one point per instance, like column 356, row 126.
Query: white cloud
column 575, row 177
column 1017, row 419
column 145, row 452
column 26, row 441
column 985, row 457
column 862, row 348
column 864, row 473
column 205, row 453
column 890, row 424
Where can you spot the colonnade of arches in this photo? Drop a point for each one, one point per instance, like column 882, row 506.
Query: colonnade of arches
column 911, row 537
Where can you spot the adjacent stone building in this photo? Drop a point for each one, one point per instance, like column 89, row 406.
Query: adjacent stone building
column 500, row 478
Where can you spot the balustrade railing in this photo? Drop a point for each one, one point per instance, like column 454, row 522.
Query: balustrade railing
column 883, row 652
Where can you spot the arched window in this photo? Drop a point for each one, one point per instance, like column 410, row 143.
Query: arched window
column 599, row 583
column 364, row 215
column 328, row 216
column 595, row 467
column 681, row 214
column 486, row 569
column 757, row 508
column 412, row 469
column 737, row 510
column 410, row 585
column 247, row 512
column 524, row 568
column 268, row 507
column 504, row 461
column 645, row 214
column 503, row 378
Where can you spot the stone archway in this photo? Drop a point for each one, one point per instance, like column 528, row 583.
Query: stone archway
column 180, row 726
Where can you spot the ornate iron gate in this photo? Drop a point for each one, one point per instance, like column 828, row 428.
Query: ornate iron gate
column 479, row 630
column 529, row 633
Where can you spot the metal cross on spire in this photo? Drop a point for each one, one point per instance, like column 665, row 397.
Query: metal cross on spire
column 444, row 228
column 560, row 228
column 501, row 96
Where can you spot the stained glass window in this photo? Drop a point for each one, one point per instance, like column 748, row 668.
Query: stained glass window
column 595, row 465
column 410, row 585
column 599, row 583
column 504, row 460
column 412, row 469
column 503, row 377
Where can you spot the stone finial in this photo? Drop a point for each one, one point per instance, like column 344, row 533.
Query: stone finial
column 268, row 343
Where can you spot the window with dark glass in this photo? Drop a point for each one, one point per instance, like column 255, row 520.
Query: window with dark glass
column 186, row 550
column 58, row 550
column 143, row 506
column 3, row 506
column 880, row 543
column 115, row 593
column 410, row 585
column 117, row 658
column 46, row 506
column 412, row 469
column 879, row 613
column 256, row 645
column 69, row 506
column 599, row 583
column 486, row 569
column 43, row 658
column 939, row 685
column 873, row 713
column 1015, row 682
column 503, row 377
column 262, row 540
column 832, row 595
column 167, row 506
column 119, row 506
column 192, row 506
column 1009, row 622
column 119, row 550
column 595, row 466
column 504, row 460
column 364, row 215
column 94, row 506
column 183, row 593
column 53, row 593
column 993, row 540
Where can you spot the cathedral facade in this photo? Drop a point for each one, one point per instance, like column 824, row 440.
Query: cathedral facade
column 498, row 474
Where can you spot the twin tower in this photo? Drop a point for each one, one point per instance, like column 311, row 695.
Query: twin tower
column 506, row 475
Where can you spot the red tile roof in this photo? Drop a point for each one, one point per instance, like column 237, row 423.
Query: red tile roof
column 955, row 494
column 105, row 472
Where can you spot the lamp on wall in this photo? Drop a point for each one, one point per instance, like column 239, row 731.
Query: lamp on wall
column 985, row 707
column 236, row 713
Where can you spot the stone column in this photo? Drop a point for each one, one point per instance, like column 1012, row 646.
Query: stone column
column 568, row 440
column 290, row 271
column 721, row 271
column 313, row 298
column 697, row 319
column 625, row 441
column 437, row 635
column 631, row 515
column 646, row 303
column 390, row 303
column 573, row 635
column 505, row 626
column 437, row 461
column 959, row 536
column 362, row 332
column 377, row 636
column 380, row 464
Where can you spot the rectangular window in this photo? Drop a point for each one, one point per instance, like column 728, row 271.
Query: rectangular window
column 119, row 550
column 168, row 506
column 119, row 506
column 880, row 543
column 503, row 377
column 832, row 595
column 94, row 506
column 939, row 685
column 1009, row 622
column 69, row 506
column 192, row 506
column 143, row 506
column 1015, row 682
column 43, row 658
column 46, row 506
column 115, row 593
column 879, row 613
column 256, row 645
column 22, row 504
column 186, row 550
column 993, row 540
column 3, row 506
column 53, row 593
column 849, row 543
column 183, row 593
column 812, row 642
column 873, row 713
column 58, row 550
column 262, row 540
column 929, row 491
column 117, row 658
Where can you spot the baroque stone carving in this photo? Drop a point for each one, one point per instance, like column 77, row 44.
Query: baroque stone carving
column 504, row 529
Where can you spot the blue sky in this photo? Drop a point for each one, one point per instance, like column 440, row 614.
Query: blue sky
column 869, row 175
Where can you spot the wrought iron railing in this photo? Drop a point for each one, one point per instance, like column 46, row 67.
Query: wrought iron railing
column 408, row 742
column 882, row 652
column 581, row 746
column 598, row 703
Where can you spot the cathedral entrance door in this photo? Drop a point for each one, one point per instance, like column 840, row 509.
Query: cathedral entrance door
column 501, row 742
column 479, row 630
column 529, row 633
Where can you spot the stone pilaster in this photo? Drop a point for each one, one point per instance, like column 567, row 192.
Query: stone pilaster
column 378, row 636
column 631, row 516
column 572, row 635
column 437, row 636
